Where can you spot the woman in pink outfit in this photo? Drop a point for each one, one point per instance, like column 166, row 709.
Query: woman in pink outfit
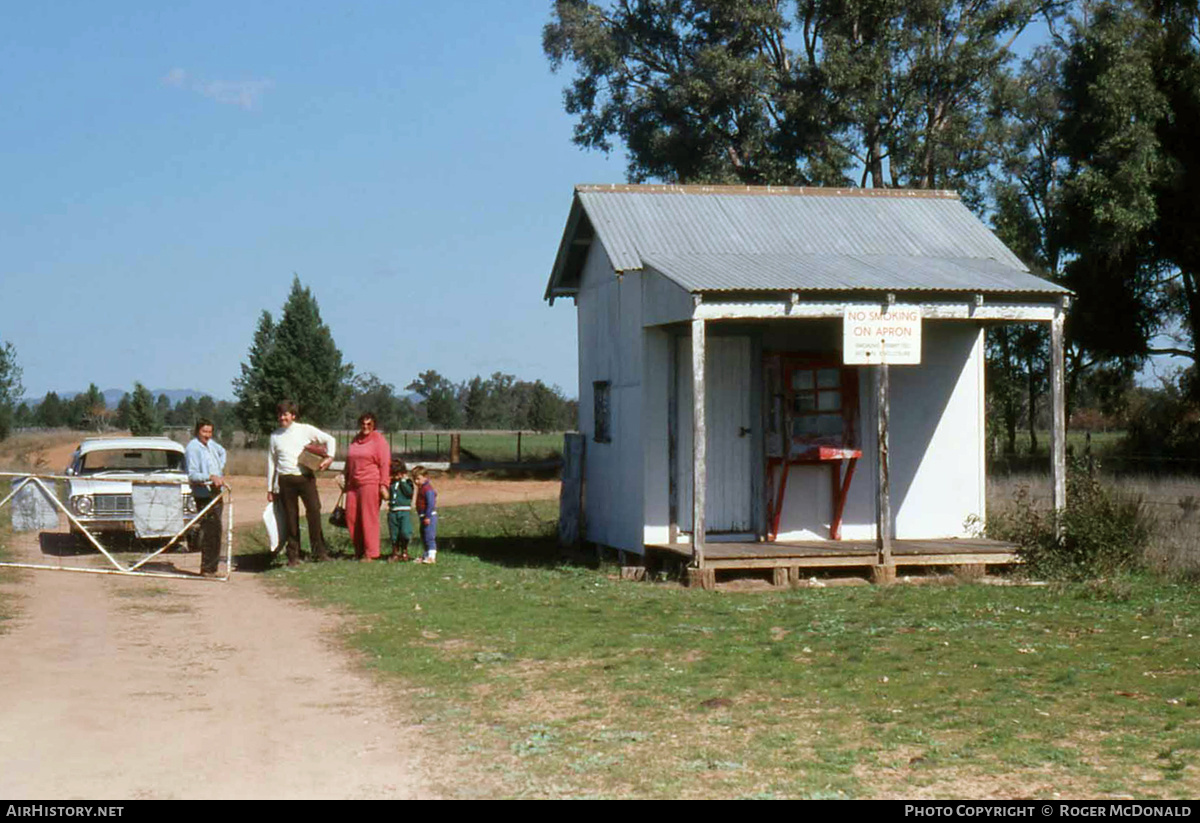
column 366, row 480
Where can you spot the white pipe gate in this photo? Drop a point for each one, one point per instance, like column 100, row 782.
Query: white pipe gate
column 39, row 480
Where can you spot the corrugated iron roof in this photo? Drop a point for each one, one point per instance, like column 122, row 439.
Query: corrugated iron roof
column 723, row 238
column 831, row 272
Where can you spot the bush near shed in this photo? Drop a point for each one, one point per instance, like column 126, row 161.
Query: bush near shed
column 1104, row 531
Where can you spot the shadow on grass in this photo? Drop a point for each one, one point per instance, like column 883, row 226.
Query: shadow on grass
column 516, row 552
column 70, row 544
column 254, row 563
column 501, row 551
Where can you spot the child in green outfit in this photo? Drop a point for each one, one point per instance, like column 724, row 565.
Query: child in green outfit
column 400, row 495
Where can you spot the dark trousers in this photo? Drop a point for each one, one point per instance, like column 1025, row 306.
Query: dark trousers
column 209, row 530
column 293, row 488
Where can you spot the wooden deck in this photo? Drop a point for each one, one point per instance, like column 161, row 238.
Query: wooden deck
column 830, row 554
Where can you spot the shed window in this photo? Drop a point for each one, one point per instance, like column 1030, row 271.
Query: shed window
column 816, row 395
column 813, row 405
column 601, row 398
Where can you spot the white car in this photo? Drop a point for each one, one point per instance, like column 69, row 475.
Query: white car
column 100, row 494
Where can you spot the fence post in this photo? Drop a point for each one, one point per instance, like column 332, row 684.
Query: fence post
column 455, row 448
column 570, row 501
column 518, row 447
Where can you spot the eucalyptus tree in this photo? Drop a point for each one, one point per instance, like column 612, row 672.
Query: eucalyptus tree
column 1131, row 112
column 800, row 92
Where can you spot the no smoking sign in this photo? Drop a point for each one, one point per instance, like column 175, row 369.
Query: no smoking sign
column 874, row 335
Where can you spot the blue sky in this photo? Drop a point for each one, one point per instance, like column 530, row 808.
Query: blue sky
column 167, row 167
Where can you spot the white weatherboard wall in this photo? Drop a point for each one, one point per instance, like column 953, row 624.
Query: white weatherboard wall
column 610, row 349
column 936, row 439
column 939, row 405
column 656, row 453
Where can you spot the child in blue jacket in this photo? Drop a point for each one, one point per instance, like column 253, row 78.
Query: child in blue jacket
column 426, row 502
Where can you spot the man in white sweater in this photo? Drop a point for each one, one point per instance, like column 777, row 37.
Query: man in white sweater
column 293, row 483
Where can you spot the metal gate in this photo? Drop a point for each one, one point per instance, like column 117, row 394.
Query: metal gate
column 35, row 506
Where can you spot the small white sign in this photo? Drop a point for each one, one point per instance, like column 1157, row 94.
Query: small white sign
column 875, row 335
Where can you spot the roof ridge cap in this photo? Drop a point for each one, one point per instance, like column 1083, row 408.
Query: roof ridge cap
column 794, row 191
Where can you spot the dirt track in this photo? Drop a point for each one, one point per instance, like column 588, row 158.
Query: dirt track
column 119, row 687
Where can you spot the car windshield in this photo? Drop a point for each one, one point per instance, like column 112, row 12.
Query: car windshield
column 130, row 460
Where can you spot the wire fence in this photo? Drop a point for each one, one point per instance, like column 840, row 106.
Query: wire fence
column 1119, row 465
column 493, row 446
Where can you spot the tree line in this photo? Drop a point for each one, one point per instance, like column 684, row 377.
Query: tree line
column 138, row 411
column 296, row 357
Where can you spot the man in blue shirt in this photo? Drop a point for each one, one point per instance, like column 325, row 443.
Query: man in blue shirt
column 205, row 469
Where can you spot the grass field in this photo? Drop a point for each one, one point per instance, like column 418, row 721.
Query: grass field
column 1171, row 503
column 1101, row 442
column 504, row 446
column 534, row 678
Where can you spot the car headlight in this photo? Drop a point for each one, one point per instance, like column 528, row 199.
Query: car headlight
column 82, row 504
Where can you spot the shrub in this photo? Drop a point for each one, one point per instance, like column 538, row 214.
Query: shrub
column 1103, row 531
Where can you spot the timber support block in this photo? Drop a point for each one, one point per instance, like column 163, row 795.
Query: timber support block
column 633, row 572
column 883, row 574
column 779, row 577
column 970, row 571
column 702, row 578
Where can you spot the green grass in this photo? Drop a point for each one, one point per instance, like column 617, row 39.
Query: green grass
column 504, row 446
column 540, row 679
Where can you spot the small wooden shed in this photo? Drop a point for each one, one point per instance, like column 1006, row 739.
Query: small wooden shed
column 720, row 416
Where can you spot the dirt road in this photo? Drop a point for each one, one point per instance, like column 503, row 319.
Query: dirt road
column 119, row 687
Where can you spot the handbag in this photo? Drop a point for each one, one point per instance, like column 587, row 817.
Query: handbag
column 337, row 517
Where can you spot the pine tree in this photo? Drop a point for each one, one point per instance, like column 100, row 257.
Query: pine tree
column 10, row 387
column 143, row 417
column 121, row 418
column 51, row 412
column 256, row 398
column 295, row 359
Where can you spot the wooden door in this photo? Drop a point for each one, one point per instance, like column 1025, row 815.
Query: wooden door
column 728, row 376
